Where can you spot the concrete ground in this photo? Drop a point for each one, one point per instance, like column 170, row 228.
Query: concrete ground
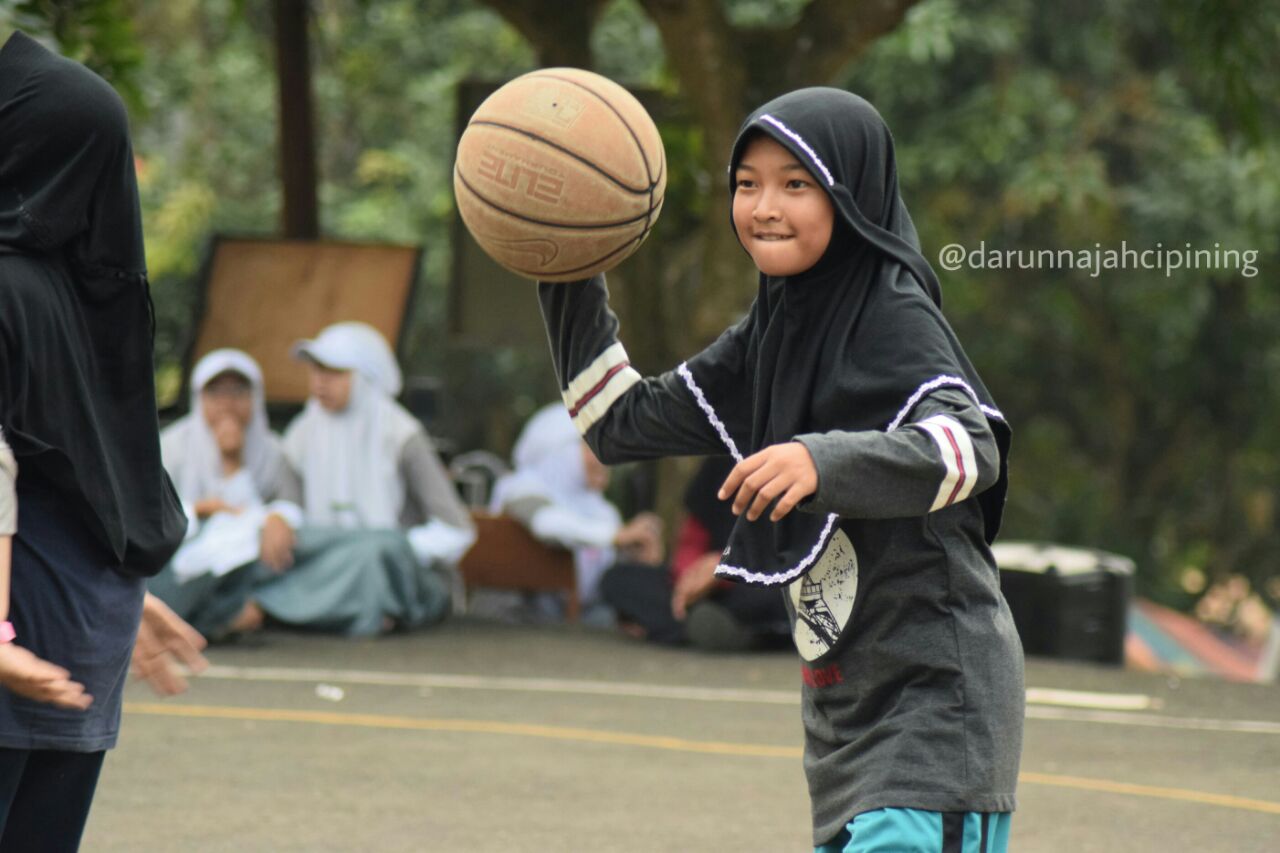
column 479, row 736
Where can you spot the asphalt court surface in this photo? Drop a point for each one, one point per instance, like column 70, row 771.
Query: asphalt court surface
column 479, row 736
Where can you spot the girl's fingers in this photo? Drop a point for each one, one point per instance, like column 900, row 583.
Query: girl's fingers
column 788, row 502
column 757, row 480
column 740, row 473
column 66, row 693
column 764, row 497
column 52, row 672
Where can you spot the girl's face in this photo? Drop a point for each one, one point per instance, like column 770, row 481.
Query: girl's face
column 782, row 216
column 331, row 388
column 227, row 396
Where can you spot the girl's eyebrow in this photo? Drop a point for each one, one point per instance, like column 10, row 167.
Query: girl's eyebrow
column 790, row 167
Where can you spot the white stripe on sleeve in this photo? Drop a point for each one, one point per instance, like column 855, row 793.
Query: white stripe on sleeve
column 956, row 450
column 595, row 389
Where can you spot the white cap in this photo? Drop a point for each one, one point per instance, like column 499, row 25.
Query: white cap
column 354, row 346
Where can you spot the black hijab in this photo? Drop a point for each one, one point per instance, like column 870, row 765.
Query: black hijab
column 852, row 343
column 700, row 501
column 77, row 392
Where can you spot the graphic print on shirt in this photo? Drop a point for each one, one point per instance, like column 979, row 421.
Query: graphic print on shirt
column 823, row 598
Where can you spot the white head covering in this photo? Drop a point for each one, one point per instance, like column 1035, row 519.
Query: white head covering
column 355, row 346
column 548, row 464
column 189, row 450
column 349, row 460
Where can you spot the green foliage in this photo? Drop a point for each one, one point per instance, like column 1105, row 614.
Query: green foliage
column 1139, row 399
column 98, row 33
column 627, row 46
column 383, row 74
column 761, row 13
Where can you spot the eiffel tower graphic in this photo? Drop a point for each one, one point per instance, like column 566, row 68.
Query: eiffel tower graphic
column 815, row 612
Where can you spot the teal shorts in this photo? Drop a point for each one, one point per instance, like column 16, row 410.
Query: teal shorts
column 918, row 831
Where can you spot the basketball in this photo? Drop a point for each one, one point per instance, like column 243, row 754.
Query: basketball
column 560, row 174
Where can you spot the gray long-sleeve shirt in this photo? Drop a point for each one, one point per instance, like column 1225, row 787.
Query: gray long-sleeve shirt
column 910, row 471
column 429, row 492
column 912, row 692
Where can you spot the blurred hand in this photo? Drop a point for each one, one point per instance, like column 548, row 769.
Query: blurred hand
column 228, row 433
column 694, row 585
column 782, row 471
column 641, row 539
column 29, row 676
column 164, row 641
column 277, row 543
column 212, row 506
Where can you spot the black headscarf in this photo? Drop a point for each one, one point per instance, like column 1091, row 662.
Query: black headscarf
column 700, row 499
column 77, row 392
column 852, row 343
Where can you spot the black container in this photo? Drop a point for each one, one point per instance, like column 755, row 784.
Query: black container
column 1069, row 603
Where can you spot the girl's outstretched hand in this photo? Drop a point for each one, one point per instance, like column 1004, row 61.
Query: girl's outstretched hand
column 29, row 676
column 164, row 641
column 782, row 471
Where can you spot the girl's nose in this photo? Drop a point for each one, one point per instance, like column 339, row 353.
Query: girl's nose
column 765, row 211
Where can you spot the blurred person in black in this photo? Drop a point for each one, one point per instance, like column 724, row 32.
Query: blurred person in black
column 688, row 604
column 86, row 510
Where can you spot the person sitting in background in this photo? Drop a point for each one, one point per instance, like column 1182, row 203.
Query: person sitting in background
column 557, row 492
column 689, row 604
column 382, row 517
column 240, row 495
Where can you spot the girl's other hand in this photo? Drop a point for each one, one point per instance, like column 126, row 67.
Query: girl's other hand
column 784, row 472
column 277, row 543
column 29, row 676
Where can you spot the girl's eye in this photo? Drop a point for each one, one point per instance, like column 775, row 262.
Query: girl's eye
column 797, row 184
column 745, row 183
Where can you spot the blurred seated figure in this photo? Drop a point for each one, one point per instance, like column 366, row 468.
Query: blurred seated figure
column 688, row 604
column 240, row 496
column 557, row 492
column 383, row 520
column 476, row 472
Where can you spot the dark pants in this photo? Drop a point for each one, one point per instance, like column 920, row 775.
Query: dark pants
column 642, row 594
column 45, row 796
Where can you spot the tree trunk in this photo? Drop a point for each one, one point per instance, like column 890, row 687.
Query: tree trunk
column 300, row 215
column 561, row 37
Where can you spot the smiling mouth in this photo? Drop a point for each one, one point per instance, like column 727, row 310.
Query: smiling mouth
column 771, row 238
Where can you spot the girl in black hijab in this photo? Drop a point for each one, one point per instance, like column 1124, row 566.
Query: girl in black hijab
column 96, row 513
column 870, row 478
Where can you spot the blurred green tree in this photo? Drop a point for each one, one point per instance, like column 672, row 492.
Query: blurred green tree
column 1142, row 400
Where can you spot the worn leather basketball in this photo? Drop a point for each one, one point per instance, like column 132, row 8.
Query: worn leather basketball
column 560, row 174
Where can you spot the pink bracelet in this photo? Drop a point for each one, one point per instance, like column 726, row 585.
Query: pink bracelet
column 7, row 634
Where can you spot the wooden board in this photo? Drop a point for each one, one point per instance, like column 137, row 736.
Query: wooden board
column 262, row 295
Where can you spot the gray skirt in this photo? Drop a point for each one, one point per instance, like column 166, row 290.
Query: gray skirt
column 354, row 582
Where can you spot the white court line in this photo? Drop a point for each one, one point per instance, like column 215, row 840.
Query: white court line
column 1155, row 721
column 528, row 685
column 1096, row 701
column 1108, row 708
